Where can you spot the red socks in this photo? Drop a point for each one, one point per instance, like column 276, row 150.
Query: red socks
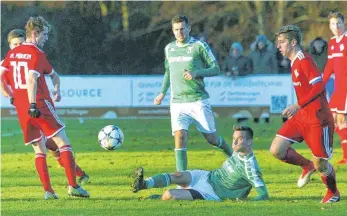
column 329, row 179
column 69, row 164
column 42, row 170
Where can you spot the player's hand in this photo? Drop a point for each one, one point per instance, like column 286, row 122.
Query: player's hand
column 34, row 112
column 159, row 99
column 290, row 110
column 12, row 100
column 189, row 75
column 56, row 96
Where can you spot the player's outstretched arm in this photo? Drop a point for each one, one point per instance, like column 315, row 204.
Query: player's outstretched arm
column 5, row 89
column 56, row 83
column 262, row 194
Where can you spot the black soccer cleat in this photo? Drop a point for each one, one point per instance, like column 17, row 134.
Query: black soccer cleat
column 139, row 182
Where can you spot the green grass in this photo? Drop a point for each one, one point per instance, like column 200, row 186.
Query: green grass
column 149, row 143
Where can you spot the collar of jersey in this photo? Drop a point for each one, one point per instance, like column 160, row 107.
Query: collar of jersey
column 31, row 44
column 246, row 157
column 297, row 54
column 338, row 39
column 186, row 44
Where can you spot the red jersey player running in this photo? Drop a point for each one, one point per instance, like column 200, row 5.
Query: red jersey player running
column 26, row 66
column 310, row 119
column 337, row 63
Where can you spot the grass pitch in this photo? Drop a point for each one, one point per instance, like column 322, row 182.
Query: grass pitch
column 148, row 143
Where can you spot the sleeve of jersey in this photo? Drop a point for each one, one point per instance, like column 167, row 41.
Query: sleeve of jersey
column 5, row 64
column 206, row 54
column 312, row 73
column 262, row 193
column 166, row 81
column 48, row 69
column 34, row 64
column 328, row 69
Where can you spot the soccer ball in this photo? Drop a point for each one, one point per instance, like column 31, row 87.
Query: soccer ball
column 110, row 137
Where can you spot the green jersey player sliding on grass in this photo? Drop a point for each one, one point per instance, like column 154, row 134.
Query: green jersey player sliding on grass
column 234, row 180
column 187, row 62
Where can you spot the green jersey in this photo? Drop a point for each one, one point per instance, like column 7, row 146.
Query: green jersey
column 194, row 56
column 236, row 178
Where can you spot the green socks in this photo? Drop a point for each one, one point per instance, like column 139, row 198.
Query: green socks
column 181, row 159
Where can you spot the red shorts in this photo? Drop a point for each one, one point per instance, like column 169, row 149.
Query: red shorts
column 338, row 101
column 48, row 124
column 318, row 138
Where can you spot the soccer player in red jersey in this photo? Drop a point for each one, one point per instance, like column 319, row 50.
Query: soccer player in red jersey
column 337, row 64
column 25, row 67
column 310, row 119
column 15, row 38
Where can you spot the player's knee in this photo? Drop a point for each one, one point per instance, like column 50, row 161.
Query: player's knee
column 276, row 152
column 167, row 195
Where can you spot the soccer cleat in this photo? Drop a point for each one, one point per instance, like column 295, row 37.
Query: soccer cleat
column 139, row 182
column 78, row 192
column 342, row 161
column 50, row 196
column 305, row 176
column 83, row 179
column 331, row 198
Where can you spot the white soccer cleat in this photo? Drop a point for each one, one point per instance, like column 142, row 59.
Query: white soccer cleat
column 305, row 176
column 50, row 196
column 78, row 192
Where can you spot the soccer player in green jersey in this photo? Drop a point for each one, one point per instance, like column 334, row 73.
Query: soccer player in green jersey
column 234, row 180
column 187, row 62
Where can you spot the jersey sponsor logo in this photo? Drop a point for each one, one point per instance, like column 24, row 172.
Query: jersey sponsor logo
column 172, row 49
column 297, row 83
column 332, row 48
column 180, row 59
column 296, row 73
column 189, row 49
column 342, row 47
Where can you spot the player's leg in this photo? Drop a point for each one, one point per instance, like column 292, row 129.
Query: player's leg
column 327, row 173
column 181, row 194
column 180, row 121
column 282, row 150
column 42, row 168
column 160, row 180
column 205, row 123
column 54, row 128
column 320, row 141
column 83, row 178
column 341, row 130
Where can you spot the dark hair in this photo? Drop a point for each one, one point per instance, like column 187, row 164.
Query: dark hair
column 336, row 15
column 244, row 128
column 291, row 32
column 179, row 19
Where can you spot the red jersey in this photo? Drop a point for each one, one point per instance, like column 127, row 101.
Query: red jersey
column 337, row 63
column 309, row 90
column 18, row 63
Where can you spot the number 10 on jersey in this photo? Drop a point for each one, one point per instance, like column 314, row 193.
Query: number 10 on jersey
column 20, row 69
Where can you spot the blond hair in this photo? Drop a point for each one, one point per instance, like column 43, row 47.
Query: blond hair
column 15, row 33
column 36, row 24
column 336, row 15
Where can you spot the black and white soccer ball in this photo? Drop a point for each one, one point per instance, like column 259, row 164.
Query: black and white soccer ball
column 111, row 137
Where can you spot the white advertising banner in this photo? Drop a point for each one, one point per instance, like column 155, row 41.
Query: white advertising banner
column 146, row 88
column 275, row 92
column 90, row 91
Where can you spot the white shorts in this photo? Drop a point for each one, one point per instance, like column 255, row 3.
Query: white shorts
column 201, row 185
column 198, row 112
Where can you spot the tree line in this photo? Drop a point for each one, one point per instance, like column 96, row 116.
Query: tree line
column 121, row 37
